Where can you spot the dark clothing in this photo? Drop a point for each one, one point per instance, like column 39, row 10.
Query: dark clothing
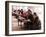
column 31, row 18
column 37, row 24
column 33, row 24
column 29, row 25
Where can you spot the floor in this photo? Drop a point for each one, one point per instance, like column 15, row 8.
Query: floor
column 15, row 26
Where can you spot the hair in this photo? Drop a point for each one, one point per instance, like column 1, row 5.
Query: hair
column 14, row 10
column 21, row 9
column 35, row 13
column 29, row 10
column 18, row 10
